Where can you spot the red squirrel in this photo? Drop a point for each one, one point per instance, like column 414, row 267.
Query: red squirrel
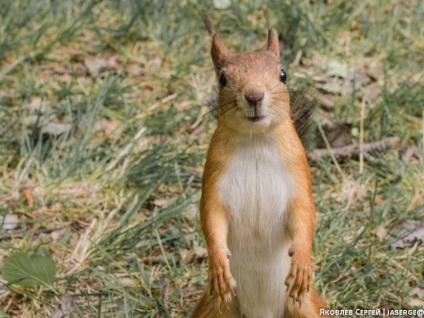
column 257, row 212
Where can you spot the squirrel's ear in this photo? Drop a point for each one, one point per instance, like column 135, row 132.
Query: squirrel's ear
column 273, row 42
column 218, row 50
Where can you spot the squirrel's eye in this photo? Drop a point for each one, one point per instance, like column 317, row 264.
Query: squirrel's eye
column 222, row 80
column 283, row 76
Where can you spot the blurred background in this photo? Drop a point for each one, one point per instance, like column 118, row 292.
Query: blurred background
column 104, row 127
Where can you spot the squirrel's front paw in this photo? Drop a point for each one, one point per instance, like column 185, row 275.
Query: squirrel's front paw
column 221, row 282
column 299, row 278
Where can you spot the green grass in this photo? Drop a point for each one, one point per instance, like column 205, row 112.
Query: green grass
column 126, row 81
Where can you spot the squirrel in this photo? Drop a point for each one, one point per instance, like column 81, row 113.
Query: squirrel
column 257, row 211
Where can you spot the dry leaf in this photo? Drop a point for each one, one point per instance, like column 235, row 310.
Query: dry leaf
column 326, row 100
column 221, row 4
column 65, row 307
column 9, row 222
column 55, row 129
column 374, row 70
column 372, row 91
column 333, row 87
column 95, row 65
column 358, row 75
column 107, row 126
column 35, row 104
column 55, row 235
column 338, row 134
column 136, row 69
column 27, row 194
column 415, row 302
column 192, row 211
column 337, row 69
column 418, row 291
column 418, row 301
column 408, row 233
column 162, row 202
column 381, row 232
column 194, row 256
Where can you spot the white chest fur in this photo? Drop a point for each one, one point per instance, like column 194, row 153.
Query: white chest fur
column 256, row 190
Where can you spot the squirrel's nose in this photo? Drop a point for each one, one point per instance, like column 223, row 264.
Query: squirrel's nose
column 254, row 98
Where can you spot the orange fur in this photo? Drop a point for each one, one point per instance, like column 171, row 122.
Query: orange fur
column 302, row 213
column 248, row 75
column 213, row 217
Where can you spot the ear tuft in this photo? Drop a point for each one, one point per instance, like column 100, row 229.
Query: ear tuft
column 208, row 25
column 218, row 50
column 273, row 45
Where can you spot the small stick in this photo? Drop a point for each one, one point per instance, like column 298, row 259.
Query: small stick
column 361, row 138
column 353, row 150
column 21, row 233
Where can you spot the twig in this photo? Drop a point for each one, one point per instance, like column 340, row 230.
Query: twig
column 155, row 259
column 361, row 138
column 329, row 150
column 353, row 150
column 21, row 233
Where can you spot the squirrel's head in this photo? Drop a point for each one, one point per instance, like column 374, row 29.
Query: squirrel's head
column 253, row 96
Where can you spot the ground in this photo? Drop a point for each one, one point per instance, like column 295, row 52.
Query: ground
column 104, row 131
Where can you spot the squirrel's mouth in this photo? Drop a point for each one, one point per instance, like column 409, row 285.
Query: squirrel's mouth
column 256, row 118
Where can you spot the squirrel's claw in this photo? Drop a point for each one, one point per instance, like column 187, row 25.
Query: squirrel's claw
column 221, row 282
column 298, row 282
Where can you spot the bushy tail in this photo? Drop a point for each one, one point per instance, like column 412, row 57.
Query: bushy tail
column 302, row 108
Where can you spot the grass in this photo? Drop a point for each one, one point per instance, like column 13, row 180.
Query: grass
column 110, row 189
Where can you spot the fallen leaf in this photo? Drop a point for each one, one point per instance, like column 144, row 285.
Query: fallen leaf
column 338, row 134
column 194, row 256
column 409, row 153
column 418, row 291
column 65, row 307
column 358, row 75
column 9, row 222
column 107, row 126
column 27, row 269
column 162, row 202
column 416, row 303
column 337, row 69
column 221, row 4
column 326, row 100
column 35, row 104
column 27, row 194
column 374, row 70
column 192, row 211
column 381, row 232
column 408, row 233
column 55, row 129
column 332, row 87
column 56, row 235
column 320, row 78
column 96, row 65
column 136, row 69
column 53, row 68
column 372, row 91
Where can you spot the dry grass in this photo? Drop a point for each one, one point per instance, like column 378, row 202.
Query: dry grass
column 103, row 136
